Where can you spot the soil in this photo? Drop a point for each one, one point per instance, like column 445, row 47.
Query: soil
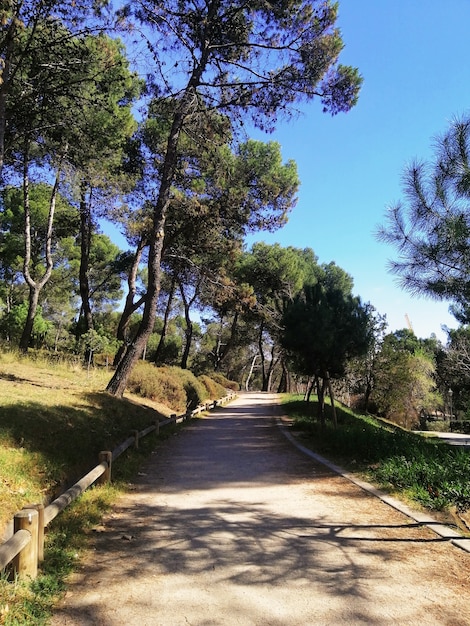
column 231, row 524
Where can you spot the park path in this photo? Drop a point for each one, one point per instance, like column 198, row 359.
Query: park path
column 230, row 524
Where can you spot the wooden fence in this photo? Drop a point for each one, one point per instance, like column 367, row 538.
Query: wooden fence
column 25, row 549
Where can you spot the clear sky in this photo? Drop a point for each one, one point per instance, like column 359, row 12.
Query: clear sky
column 414, row 58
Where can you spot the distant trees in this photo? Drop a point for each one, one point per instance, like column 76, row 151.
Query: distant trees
column 405, row 379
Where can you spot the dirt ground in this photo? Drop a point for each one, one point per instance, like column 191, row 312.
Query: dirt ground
column 230, row 524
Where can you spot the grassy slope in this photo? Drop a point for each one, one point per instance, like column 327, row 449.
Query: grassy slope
column 54, row 420
column 426, row 471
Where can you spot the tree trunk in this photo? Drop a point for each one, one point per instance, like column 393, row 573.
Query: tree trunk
column 5, row 86
column 28, row 327
column 189, row 324
column 284, row 383
column 166, row 317
column 85, row 245
column 130, row 306
column 35, row 286
column 264, row 378
column 332, row 399
column 321, row 401
column 310, row 387
column 117, row 384
column 187, row 345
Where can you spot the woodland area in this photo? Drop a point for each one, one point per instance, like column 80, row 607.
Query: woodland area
column 135, row 117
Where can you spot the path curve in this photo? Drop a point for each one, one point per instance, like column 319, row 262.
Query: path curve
column 230, row 524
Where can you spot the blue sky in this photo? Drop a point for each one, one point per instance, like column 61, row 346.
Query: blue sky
column 414, row 57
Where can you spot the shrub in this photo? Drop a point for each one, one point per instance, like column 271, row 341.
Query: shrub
column 214, row 389
column 196, row 392
column 225, row 382
column 158, row 384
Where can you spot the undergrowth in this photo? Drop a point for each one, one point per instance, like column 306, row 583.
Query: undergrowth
column 430, row 472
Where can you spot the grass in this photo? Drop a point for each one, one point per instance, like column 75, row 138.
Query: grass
column 54, row 420
column 426, row 471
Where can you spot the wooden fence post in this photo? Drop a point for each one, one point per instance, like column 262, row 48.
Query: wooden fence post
column 157, row 426
column 107, row 456
column 135, row 434
column 26, row 562
column 41, row 526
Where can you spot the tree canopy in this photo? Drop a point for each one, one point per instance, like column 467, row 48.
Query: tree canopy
column 245, row 61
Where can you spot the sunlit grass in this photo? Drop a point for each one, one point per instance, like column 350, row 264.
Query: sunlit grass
column 430, row 472
column 54, row 420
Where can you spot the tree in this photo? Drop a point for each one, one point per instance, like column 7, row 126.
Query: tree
column 431, row 228
column 276, row 275
column 404, row 382
column 362, row 370
column 72, row 115
column 243, row 60
column 97, row 139
column 33, row 250
column 324, row 326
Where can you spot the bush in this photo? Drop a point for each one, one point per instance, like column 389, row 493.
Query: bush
column 214, row 389
column 225, row 382
column 178, row 389
column 196, row 392
column 158, row 384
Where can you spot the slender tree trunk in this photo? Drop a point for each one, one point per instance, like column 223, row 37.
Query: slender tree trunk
column 187, row 346
column 264, row 378
column 117, row 384
column 86, row 228
column 187, row 303
column 321, row 400
column 35, row 286
column 284, row 383
column 250, row 373
column 222, row 350
column 332, row 399
column 5, row 87
column 166, row 318
column 310, row 387
column 130, row 306
column 33, row 301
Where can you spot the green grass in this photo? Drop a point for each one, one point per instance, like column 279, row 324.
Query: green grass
column 54, row 420
column 427, row 471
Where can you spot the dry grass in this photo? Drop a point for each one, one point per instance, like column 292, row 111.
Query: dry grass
column 54, row 420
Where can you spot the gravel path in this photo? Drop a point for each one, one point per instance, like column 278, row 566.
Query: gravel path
column 230, row 524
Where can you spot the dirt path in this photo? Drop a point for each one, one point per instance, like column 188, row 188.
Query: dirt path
column 232, row 525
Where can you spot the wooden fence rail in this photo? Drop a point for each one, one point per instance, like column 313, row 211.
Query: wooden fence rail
column 25, row 548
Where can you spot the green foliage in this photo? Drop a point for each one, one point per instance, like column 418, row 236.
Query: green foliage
column 324, row 326
column 12, row 324
column 430, row 229
column 196, row 392
column 214, row 390
column 404, row 380
column 157, row 384
column 432, row 473
column 225, row 382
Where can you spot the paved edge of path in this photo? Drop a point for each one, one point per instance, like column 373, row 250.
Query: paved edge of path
column 437, row 527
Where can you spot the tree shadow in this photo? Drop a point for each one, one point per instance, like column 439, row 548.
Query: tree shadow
column 180, row 531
